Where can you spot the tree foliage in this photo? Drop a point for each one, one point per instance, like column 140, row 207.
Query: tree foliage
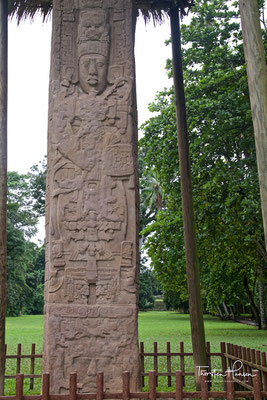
column 25, row 260
column 223, row 162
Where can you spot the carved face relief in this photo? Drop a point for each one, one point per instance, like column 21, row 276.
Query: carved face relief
column 93, row 73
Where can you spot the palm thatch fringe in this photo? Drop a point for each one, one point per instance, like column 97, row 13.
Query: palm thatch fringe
column 158, row 9
column 155, row 9
column 23, row 9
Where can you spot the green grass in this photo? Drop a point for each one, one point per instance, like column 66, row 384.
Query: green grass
column 166, row 326
column 154, row 326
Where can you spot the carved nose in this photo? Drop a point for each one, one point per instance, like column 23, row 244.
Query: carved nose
column 92, row 68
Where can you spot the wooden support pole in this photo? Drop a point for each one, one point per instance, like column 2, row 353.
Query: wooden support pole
column 73, row 386
column 19, row 386
column 3, row 183
column 192, row 267
column 256, row 385
column 152, row 385
column 125, row 385
column 45, row 386
column 99, row 386
column 230, row 386
column 179, row 385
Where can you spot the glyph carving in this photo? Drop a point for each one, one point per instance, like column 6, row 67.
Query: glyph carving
column 91, row 272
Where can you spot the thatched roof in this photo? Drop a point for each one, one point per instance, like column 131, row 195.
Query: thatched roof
column 155, row 9
column 23, row 9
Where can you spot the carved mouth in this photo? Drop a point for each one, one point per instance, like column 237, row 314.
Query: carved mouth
column 92, row 81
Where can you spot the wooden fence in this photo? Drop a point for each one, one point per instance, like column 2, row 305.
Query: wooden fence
column 242, row 359
column 230, row 356
column 246, row 360
column 18, row 357
column 230, row 393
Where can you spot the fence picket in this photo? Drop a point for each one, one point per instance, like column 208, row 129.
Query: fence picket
column 142, row 363
column 45, row 386
column 125, row 385
column 156, row 361
column 18, row 359
column 32, row 366
column 182, row 361
column 204, row 387
column 179, row 385
column 239, row 356
column 224, row 362
column 19, row 386
column 152, row 385
column 230, row 386
column 73, row 386
column 99, row 386
column 256, row 385
column 169, row 367
column 208, row 355
column 263, row 363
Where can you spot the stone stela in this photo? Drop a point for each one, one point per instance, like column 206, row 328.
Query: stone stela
column 92, row 197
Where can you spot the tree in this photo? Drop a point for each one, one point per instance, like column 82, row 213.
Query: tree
column 257, row 82
column 192, row 264
column 35, row 281
column 25, row 261
column 228, row 218
column 3, row 183
column 37, row 185
column 146, row 289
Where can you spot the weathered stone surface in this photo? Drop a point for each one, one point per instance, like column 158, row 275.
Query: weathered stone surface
column 91, row 217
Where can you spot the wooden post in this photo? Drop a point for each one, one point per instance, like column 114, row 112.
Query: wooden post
column 32, row 366
column 125, row 385
column 230, row 387
column 182, row 361
column 263, row 361
column 19, row 386
column 73, row 386
column 45, row 386
column 192, row 267
column 179, row 385
column 208, row 355
column 99, row 386
column 257, row 83
column 204, row 388
column 142, row 363
column 152, row 385
column 224, row 362
column 256, row 385
column 156, row 361
column 18, row 358
column 169, row 367
column 3, row 184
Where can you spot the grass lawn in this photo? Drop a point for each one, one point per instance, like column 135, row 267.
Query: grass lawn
column 154, row 326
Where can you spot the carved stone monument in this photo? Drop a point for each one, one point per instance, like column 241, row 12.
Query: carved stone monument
column 92, row 196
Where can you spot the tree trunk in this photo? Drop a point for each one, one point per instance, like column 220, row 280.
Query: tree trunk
column 192, row 267
column 226, row 311
column 220, row 314
column 262, row 298
column 3, row 183
column 253, row 306
column 257, row 82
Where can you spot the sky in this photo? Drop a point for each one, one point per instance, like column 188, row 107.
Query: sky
column 28, row 80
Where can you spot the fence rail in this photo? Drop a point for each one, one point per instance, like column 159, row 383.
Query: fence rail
column 18, row 357
column 230, row 393
column 230, row 356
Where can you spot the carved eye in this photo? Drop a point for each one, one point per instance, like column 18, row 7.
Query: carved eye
column 100, row 64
